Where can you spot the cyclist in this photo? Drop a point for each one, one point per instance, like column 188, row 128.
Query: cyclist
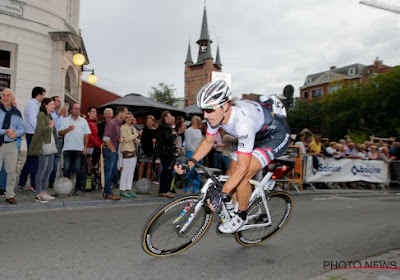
column 262, row 136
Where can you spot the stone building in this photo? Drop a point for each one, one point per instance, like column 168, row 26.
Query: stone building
column 36, row 38
column 198, row 74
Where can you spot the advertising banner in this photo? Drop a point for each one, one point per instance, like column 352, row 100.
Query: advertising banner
column 345, row 170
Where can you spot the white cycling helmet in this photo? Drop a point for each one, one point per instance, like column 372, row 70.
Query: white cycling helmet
column 214, row 94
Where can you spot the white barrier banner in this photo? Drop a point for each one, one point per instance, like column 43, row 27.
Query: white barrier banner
column 346, row 170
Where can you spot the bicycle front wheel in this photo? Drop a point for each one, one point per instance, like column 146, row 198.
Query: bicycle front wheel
column 280, row 205
column 162, row 234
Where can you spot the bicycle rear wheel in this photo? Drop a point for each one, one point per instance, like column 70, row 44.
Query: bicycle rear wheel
column 280, row 205
column 161, row 235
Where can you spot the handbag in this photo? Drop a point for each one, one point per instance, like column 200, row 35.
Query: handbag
column 49, row 148
column 128, row 154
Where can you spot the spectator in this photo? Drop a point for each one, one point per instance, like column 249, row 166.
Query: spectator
column 30, row 115
column 359, row 152
column 373, row 154
column 315, row 147
column 384, row 155
column 58, row 115
column 181, row 132
column 193, row 138
column 45, row 133
column 129, row 139
column 351, row 151
column 12, row 127
column 75, row 131
column 324, row 145
column 394, row 151
column 94, row 139
column 111, row 138
column 108, row 115
column 165, row 151
column 332, row 150
column 180, row 128
column 300, row 141
column 147, row 146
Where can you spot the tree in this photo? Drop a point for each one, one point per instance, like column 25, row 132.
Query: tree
column 359, row 111
column 164, row 93
column 305, row 115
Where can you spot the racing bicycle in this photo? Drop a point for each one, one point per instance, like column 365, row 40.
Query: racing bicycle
column 180, row 223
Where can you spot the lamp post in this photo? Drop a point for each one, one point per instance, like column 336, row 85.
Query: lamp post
column 79, row 60
column 92, row 78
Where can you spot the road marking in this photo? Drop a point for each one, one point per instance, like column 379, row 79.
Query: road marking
column 335, row 197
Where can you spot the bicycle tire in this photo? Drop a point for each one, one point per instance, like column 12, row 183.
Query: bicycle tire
column 280, row 205
column 162, row 238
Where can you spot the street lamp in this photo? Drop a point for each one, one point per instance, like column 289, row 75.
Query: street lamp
column 92, row 78
column 78, row 58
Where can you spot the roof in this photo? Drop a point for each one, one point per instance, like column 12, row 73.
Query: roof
column 141, row 105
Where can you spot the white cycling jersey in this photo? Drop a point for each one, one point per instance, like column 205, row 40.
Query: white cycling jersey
column 246, row 119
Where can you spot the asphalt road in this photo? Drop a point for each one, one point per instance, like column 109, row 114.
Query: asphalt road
column 104, row 243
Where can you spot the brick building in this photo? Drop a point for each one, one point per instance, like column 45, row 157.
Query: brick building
column 319, row 84
column 198, row 74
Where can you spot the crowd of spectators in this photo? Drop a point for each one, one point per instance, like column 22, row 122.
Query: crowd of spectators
column 79, row 138
column 345, row 148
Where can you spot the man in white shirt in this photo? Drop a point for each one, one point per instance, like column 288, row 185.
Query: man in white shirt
column 30, row 115
column 75, row 131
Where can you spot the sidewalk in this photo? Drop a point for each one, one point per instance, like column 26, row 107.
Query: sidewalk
column 26, row 200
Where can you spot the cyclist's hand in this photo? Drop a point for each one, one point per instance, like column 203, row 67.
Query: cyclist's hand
column 215, row 202
column 181, row 168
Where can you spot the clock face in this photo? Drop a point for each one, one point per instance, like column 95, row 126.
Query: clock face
column 203, row 49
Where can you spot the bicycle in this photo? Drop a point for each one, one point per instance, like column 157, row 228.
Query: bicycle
column 180, row 223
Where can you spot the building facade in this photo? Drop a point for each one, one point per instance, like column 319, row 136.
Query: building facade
column 36, row 38
column 198, row 74
column 320, row 84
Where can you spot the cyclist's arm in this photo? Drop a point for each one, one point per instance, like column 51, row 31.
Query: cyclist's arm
column 204, row 148
column 237, row 175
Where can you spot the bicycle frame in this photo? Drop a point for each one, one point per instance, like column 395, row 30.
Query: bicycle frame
column 266, row 184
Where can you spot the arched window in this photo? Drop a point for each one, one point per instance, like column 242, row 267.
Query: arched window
column 67, row 84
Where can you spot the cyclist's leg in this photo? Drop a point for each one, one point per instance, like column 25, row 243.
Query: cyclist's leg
column 229, row 173
column 244, row 188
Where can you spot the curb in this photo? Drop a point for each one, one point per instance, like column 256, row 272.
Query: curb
column 26, row 206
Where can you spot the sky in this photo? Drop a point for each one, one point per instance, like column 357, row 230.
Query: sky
column 134, row 45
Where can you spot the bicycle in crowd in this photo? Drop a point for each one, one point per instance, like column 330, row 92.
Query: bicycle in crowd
column 179, row 224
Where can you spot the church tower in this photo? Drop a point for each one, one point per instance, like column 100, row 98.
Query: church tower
column 198, row 74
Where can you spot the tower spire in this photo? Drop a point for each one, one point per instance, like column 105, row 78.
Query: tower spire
column 204, row 42
column 218, row 58
column 189, row 56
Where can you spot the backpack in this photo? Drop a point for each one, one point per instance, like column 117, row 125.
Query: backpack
column 277, row 106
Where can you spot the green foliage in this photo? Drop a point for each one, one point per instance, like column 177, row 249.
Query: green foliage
column 361, row 111
column 305, row 115
column 164, row 93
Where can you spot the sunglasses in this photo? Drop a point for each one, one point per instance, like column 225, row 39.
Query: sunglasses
column 208, row 110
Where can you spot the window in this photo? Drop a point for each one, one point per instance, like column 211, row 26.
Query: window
column 315, row 93
column 7, row 62
column 306, row 94
column 5, row 58
column 309, row 81
column 351, row 71
column 334, row 88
